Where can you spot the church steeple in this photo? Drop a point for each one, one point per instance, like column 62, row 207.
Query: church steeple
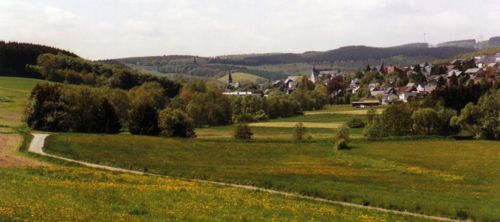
column 229, row 78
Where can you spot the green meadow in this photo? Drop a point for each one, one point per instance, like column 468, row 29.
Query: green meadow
column 459, row 179
column 14, row 93
column 78, row 194
column 433, row 176
column 242, row 77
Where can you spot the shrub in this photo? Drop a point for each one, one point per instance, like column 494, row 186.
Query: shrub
column 175, row 123
column 371, row 114
column 394, row 121
column 343, row 134
column 143, row 120
column 341, row 144
column 426, row 121
column 356, row 123
column 299, row 132
column 243, row 132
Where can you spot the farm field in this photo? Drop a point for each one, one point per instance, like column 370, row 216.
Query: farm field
column 242, row 77
column 321, row 125
column 78, row 194
column 459, row 179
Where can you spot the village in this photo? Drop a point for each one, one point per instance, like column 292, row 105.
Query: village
column 389, row 83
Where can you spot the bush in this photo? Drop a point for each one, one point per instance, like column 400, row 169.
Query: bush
column 143, row 120
column 175, row 123
column 341, row 144
column 356, row 123
column 299, row 132
column 426, row 121
column 343, row 134
column 394, row 121
column 243, row 132
column 370, row 115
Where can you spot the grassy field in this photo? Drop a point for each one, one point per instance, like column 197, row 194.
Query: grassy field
column 243, row 77
column 14, row 93
column 77, row 194
column 321, row 125
column 438, row 177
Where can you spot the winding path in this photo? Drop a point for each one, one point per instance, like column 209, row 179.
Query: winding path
column 38, row 141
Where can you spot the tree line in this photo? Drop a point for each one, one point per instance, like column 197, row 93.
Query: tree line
column 477, row 119
column 146, row 110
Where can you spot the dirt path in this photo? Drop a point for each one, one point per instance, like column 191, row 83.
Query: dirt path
column 9, row 156
column 37, row 144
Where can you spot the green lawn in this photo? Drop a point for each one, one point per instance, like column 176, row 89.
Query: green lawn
column 436, row 177
column 14, row 93
column 77, row 194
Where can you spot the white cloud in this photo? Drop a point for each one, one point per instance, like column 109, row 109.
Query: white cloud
column 120, row 28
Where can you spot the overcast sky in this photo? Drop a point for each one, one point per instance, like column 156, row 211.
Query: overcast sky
column 98, row 29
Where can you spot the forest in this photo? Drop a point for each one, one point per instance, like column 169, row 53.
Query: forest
column 14, row 57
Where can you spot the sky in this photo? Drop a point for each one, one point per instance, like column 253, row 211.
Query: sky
column 102, row 29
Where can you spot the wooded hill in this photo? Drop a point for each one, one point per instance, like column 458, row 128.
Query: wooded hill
column 14, row 57
column 279, row 65
column 348, row 53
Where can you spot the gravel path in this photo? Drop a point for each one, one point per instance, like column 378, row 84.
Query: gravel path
column 37, row 144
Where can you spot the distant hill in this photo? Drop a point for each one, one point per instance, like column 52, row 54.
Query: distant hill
column 15, row 56
column 279, row 65
column 348, row 53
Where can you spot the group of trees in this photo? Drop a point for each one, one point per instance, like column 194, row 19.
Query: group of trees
column 146, row 110
column 70, row 108
column 74, row 70
column 480, row 120
column 15, row 56
column 56, row 107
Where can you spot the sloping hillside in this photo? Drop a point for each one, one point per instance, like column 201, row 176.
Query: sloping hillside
column 242, row 77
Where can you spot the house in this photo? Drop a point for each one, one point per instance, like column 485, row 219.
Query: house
column 389, row 99
column 366, row 103
column 323, row 74
column 493, row 65
column 424, row 90
column 377, row 93
column 455, row 72
column 277, row 83
column 290, row 84
column 408, row 91
column 475, row 72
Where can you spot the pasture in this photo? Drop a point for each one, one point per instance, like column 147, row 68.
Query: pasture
column 242, row 77
column 321, row 125
column 78, row 194
column 14, row 93
column 459, row 179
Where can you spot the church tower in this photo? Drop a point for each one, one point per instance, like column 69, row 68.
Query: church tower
column 229, row 78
